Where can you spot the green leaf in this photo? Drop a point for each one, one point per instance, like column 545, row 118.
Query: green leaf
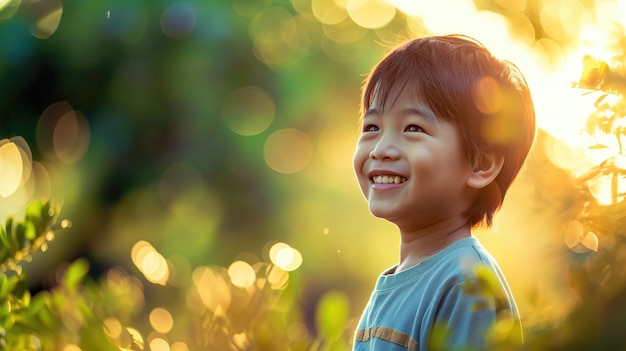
column 76, row 274
column 30, row 232
column 3, row 285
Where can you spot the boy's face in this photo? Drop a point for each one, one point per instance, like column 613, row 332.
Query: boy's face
column 410, row 164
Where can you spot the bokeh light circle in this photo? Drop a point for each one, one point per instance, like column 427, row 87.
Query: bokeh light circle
column 11, row 168
column 371, row 14
column 248, row 110
column 285, row 257
column 328, row 11
column 161, row 320
column 288, row 151
column 241, row 274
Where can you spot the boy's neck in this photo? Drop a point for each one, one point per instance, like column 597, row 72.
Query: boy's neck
column 418, row 245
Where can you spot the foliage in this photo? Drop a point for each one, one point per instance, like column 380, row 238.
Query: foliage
column 596, row 230
column 63, row 315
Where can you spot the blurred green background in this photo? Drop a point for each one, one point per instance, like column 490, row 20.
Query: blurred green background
column 213, row 129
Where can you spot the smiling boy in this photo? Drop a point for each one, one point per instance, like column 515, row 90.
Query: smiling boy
column 446, row 127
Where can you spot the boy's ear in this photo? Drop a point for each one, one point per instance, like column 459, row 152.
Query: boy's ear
column 486, row 168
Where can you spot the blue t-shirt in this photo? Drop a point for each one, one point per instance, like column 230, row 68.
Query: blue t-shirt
column 447, row 301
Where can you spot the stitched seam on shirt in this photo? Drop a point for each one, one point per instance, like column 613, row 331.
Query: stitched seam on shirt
column 387, row 334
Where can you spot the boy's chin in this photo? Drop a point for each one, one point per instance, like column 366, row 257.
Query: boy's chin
column 382, row 213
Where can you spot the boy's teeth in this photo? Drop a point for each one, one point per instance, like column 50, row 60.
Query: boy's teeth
column 389, row 179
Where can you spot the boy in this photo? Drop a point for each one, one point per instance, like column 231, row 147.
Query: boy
column 446, row 128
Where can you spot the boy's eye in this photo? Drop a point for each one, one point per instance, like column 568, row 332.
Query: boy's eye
column 370, row 128
column 413, row 128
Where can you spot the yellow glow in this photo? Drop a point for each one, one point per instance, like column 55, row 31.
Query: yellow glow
column 371, row 13
column 48, row 24
column 159, row 344
column 328, row 11
column 213, row 288
column 4, row 3
column 287, row 258
column 620, row 11
column 113, row 327
column 241, row 274
column 179, row 346
column 277, row 277
column 288, row 151
column 248, row 110
column 71, row 347
column 343, row 33
column 11, row 168
column 241, row 341
column 161, row 320
column 573, row 234
column 66, row 223
column 513, row 5
column 150, row 262
column 136, row 335
column 274, row 249
column 564, row 156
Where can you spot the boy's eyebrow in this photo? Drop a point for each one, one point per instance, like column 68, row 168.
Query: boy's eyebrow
column 418, row 110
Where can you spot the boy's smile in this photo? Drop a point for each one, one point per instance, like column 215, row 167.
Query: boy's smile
column 411, row 165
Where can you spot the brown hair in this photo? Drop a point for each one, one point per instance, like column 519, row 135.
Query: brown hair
column 463, row 83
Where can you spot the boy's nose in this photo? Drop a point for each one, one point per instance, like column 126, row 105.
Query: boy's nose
column 385, row 148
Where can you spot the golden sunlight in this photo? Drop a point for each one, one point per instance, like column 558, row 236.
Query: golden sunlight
column 159, row 344
column 328, row 11
column 371, row 14
column 241, row 274
column 161, row 320
column 213, row 288
column 285, row 257
column 11, row 168
column 179, row 346
column 150, row 262
column 71, row 347
column 113, row 327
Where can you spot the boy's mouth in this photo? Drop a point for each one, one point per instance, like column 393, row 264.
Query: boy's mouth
column 388, row 179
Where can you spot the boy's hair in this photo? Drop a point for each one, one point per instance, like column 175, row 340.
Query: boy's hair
column 463, row 83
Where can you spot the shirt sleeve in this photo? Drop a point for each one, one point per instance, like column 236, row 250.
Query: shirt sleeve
column 462, row 321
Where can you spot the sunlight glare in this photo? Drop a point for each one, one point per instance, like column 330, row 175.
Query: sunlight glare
column 212, row 287
column 241, row 274
column 11, row 168
column 285, row 257
column 328, row 11
column 601, row 187
column 113, row 327
column 150, row 262
column 277, row 277
column 161, row 320
column 371, row 14
column 179, row 346
column 136, row 335
column 159, row 344
column 71, row 347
